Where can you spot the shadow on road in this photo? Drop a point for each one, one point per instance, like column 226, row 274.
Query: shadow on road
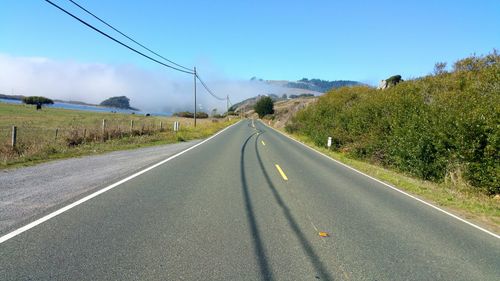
column 260, row 253
column 306, row 246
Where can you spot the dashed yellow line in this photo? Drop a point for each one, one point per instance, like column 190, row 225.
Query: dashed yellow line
column 263, row 143
column 283, row 175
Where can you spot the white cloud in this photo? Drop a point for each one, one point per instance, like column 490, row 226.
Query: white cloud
column 148, row 90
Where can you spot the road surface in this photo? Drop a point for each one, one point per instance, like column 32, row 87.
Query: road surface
column 29, row 192
column 249, row 204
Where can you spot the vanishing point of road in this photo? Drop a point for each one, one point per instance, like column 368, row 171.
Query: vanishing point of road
column 249, row 204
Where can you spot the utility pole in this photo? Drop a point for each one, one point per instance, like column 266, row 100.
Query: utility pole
column 227, row 105
column 195, row 96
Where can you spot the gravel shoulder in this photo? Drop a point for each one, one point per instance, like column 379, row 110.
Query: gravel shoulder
column 31, row 192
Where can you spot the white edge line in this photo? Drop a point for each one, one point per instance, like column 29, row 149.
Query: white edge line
column 109, row 187
column 390, row 186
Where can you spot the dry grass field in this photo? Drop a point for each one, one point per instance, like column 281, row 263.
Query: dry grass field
column 53, row 133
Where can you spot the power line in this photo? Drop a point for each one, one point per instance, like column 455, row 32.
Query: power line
column 208, row 89
column 116, row 40
column 184, row 70
column 128, row 37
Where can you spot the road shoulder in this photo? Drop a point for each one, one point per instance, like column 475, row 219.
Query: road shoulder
column 28, row 193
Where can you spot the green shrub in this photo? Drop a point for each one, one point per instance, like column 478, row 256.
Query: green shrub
column 427, row 127
column 186, row 114
column 264, row 107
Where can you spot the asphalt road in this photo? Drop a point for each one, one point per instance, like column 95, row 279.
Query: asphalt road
column 224, row 211
column 29, row 192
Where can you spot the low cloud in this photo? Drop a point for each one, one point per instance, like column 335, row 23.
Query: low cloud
column 149, row 90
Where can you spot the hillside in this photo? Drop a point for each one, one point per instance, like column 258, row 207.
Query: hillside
column 299, row 95
column 11, row 97
column 441, row 127
column 248, row 104
column 313, row 86
column 319, row 85
column 244, row 104
column 285, row 110
column 286, row 88
column 303, row 88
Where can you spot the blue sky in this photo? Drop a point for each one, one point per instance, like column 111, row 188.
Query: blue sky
column 45, row 52
column 356, row 40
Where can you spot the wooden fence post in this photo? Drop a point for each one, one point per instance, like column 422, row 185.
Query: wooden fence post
column 57, row 132
column 103, row 129
column 131, row 125
column 14, row 136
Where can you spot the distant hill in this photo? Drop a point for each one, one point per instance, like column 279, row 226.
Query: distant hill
column 247, row 105
column 121, row 102
column 11, row 97
column 319, row 85
column 20, row 97
column 250, row 102
column 304, row 88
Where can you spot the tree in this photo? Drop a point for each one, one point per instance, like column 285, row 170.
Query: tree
column 439, row 68
column 38, row 101
column 264, row 106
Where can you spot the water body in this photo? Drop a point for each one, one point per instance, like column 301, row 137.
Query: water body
column 73, row 106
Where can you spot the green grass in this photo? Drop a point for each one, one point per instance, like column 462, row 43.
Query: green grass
column 456, row 197
column 37, row 140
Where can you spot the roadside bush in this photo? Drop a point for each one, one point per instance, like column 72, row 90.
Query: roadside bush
column 74, row 138
column 264, row 106
column 186, row 114
column 428, row 127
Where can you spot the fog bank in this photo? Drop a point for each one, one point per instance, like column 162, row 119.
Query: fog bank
column 148, row 90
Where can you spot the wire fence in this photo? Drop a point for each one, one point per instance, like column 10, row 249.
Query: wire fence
column 101, row 131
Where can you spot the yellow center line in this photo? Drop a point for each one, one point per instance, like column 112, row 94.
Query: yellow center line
column 281, row 172
column 263, row 143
